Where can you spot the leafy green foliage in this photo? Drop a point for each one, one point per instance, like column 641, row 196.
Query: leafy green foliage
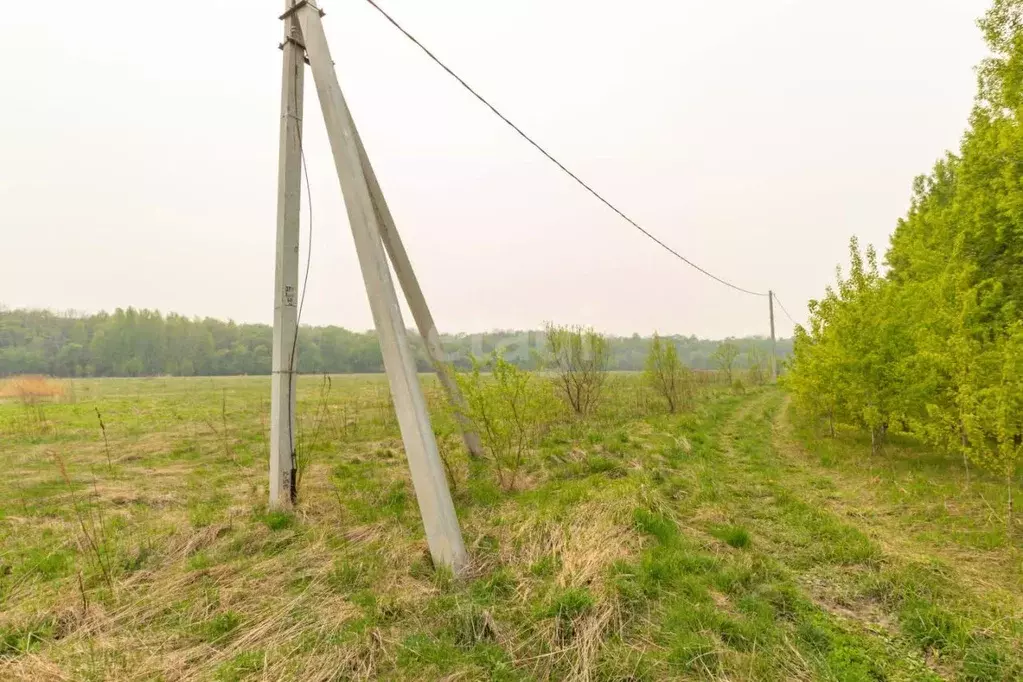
column 935, row 345
column 852, row 363
column 512, row 409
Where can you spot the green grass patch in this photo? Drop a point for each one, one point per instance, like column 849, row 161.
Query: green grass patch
column 637, row 545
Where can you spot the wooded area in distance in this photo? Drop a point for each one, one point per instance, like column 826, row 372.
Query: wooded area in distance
column 141, row 342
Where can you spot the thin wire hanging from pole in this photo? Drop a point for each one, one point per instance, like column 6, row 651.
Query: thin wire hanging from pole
column 301, row 302
column 560, row 165
column 776, row 300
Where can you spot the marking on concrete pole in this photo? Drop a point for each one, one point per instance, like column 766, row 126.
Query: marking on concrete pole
column 428, row 477
column 284, row 357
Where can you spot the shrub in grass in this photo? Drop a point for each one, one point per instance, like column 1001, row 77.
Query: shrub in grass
column 668, row 376
column 511, row 409
column 579, row 359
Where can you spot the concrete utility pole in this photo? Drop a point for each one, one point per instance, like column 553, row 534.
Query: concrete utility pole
column 428, row 477
column 417, row 303
column 285, row 356
column 774, row 345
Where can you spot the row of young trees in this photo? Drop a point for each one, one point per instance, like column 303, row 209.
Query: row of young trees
column 935, row 344
column 140, row 342
column 512, row 407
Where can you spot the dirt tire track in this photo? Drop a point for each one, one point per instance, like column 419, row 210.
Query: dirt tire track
column 860, row 505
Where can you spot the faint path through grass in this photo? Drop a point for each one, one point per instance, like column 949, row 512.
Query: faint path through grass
column 907, row 512
column 895, row 589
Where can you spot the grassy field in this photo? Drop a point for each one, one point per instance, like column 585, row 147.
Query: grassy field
column 727, row 543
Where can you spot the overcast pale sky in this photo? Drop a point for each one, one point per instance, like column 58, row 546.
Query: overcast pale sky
column 138, row 152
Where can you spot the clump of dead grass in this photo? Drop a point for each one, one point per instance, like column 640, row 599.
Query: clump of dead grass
column 582, row 546
column 31, row 388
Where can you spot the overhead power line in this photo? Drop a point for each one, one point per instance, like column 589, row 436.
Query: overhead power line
column 778, row 301
column 560, row 165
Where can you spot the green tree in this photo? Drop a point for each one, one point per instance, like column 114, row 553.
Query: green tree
column 43, row 342
column 579, row 359
column 814, row 372
column 511, row 409
column 666, row 374
column 933, row 345
column 756, row 365
column 724, row 357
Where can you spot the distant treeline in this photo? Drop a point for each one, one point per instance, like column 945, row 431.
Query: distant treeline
column 131, row 342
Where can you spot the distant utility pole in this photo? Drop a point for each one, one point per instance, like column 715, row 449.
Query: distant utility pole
column 374, row 231
column 774, row 344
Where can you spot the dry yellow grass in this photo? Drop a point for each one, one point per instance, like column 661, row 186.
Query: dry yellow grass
column 29, row 388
